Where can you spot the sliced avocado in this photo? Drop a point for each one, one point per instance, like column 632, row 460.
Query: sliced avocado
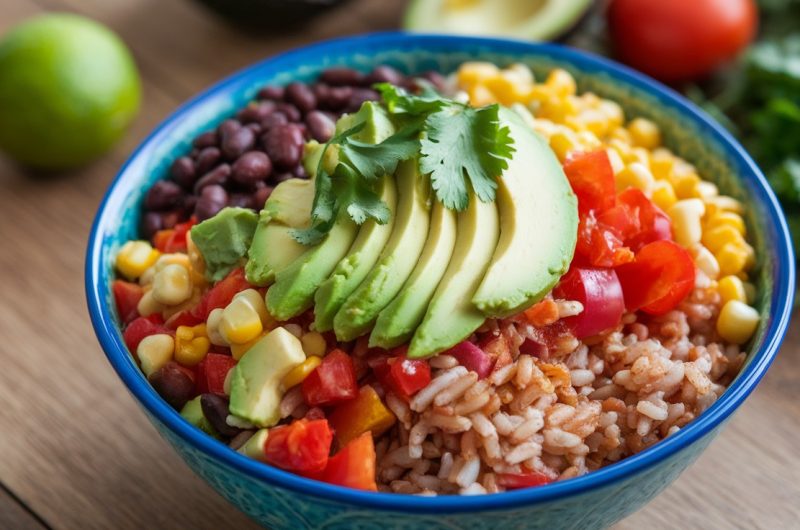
column 256, row 379
column 451, row 316
column 397, row 261
column 523, row 19
column 193, row 413
column 377, row 124
column 355, row 266
column 254, row 446
column 538, row 226
column 224, row 240
column 273, row 247
column 398, row 320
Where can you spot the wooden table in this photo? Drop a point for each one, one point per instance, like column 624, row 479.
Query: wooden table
column 76, row 452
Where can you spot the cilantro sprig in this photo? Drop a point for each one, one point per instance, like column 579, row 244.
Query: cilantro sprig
column 461, row 147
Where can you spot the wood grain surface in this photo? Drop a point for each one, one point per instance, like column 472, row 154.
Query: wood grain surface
column 75, row 450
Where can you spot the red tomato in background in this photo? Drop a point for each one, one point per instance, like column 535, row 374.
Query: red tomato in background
column 333, row 381
column 221, row 294
column 127, row 296
column 353, row 466
column 680, row 40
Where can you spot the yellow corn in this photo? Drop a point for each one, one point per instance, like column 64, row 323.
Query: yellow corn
column 172, row 285
column 589, row 141
column 519, row 72
column 238, row 350
column 621, row 135
column 148, row 305
column 135, row 257
column 662, row 163
column 635, row 175
column 719, row 236
column 508, row 88
column 613, row 113
column 154, row 351
column 561, row 82
column 721, row 218
column 686, row 185
column 563, row 143
column 256, row 301
column 617, row 164
column 731, row 288
column 737, row 322
column 176, row 258
column 298, row 374
column 686, row 216
column 212, row 328
column 644, row 133
column 706, row 190
column 558, row 108
column 191, row 344
column 663, row 194
column 241, row 321
column 314, row 343
column 732, row 258
column 472, row 73
column 480, row 96
column 705, row 260
column 724, row 204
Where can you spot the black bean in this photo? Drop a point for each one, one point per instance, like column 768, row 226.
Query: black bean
column 275, row 93
column 435, row 78
column 284, row 145
column 281, row 177
column 260, row 196
column 301, row 96
column 217, row 176
column 164, row 195
column 251, row 167
column 300, row 172
column 276, row 118
column 207, row 139
column 321, row 91
column 151, row 223
column 215, row 409
column 339, row 76
column 183, row 171
column 256, row 111
column 242, row 200
column 227, row 128
column 207, row 159
column 385, row 74
column 240, row 439
column 170, row 219
column 189, row 202
column 172, row 384
column 236, row 144
column 337, row 97
column 255, row 127
column 359, row 96
column 320, row 126
column 292, row 112
column 212, row 199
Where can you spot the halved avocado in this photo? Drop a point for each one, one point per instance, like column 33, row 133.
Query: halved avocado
column 523, row 19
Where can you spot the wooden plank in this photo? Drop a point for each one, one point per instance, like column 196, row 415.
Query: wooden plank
column 14, row 515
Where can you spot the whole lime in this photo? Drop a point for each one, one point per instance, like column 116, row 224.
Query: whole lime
column 68, row 90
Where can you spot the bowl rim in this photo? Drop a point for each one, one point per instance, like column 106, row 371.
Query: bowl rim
column 780, row 310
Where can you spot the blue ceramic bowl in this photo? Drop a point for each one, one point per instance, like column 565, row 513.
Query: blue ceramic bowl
column 278, row 499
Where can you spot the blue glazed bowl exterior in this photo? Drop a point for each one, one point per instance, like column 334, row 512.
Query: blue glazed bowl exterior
column 277, row 499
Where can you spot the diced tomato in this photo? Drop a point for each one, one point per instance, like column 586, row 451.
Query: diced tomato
column 142, row 327
column 353, row 466
column 651, row 223
column 333, row 381
column 173, row 239
column 472, row 358
column 403, row 376
column 660, row 277
column 600, row 292
column 599, row 245
column 498, row 348
column 127, row 296
column 212, row 371
column 302, row 446
column 221, row 294
column 592, row 179
column 529, row 479
column 183, row 318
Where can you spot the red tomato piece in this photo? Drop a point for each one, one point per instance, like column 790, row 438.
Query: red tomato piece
column 221, row 294
column 353, row 466
column 142, row 327
column 512, row 481
column 302, row 446
column 600, row 245
column 184, row 318
column 173, row 239
column 403, row 376
column 161, row 238
column 650, row 222
column 333, row 381
column 592, row 179
column 127, row 296
column 472, row 358
column 600, row 292
column 660, row 277
column 212, row 371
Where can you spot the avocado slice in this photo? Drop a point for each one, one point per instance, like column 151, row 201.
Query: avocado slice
column 193, row 413
column 360, row 259
column 377, row 124
column 256, row 391
column 451, row 316
column 523, row 19
column 273, row 248
column 398, row 320
column 538, row 226
column 223, row 240
column 397, row 261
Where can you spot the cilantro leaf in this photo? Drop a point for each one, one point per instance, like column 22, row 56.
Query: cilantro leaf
column 360, row 200
column 373, row 161
column 464, row 143
column 400, row 101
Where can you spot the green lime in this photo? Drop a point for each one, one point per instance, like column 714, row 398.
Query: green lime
column 68, row 90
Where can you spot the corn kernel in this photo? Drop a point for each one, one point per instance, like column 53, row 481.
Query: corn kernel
column 686, row 185
column 561, row 82
column 705, row 261
column 240, row 322
column 298, row 374
column 238, row 350
column 613, row 113
column 589, row 141
column 472, row 73
column 520, row 72
column 717, row 237
column 172, row 285
column 686, row 225
column 621, row 135
column 737, row 322
column 135, row 257
column 663, row 194
column 724, row 204
column 176, row 258
column 617, row 164
column 508, row 88
column 480, row 96
column 148, row 305
column 558, row 108
column 645, row 133
column 726, row 218
column 191, row 344
column 732, row 259
column 212, row 327
column 635, row 175
column 707, row 190
column 595, row 121
column 256, row 301
column 314, row 343
column 154, row 351
column 731, row 288
column 563, row 143
column 662, row 163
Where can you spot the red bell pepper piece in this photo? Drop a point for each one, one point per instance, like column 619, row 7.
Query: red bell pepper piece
column 212, row 371
column 221, row 294
column 512, row 481
column 302, row 446
column 127, row 296
column 600, row 292
column 651, row 223
column 364, row 413
column 660, row 277
column 173, row 239
column 472, row 358
column 403, row 376
column 592, row 179
column 142, row 327
column 183, row 318
column 353, row 466
column 333, row 381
